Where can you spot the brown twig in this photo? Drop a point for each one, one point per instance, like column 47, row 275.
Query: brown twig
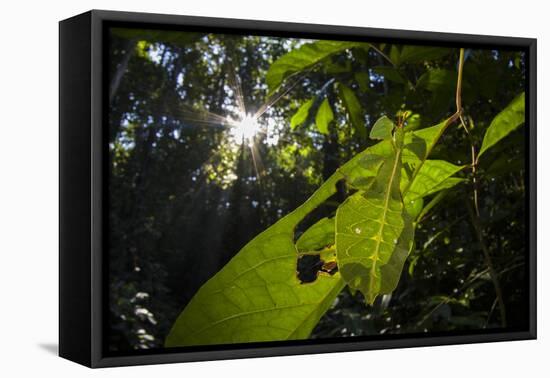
column 452, row 119
column 473, row 166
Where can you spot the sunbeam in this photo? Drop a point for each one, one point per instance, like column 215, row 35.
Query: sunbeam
column 245, row 129
column 242, row 125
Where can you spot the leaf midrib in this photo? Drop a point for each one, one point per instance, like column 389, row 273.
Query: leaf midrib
column 384, row 214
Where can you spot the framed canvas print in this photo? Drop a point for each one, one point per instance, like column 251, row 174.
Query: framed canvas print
column 234, row 188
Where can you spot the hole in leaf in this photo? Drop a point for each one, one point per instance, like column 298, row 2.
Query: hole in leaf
column 310, row 266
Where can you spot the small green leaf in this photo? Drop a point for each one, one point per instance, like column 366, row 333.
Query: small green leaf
column 324, row 117
column 382, row 129
column 301, row 115
column 303, row 58
column 354, row 109
column 413, row 122
column 504, row 123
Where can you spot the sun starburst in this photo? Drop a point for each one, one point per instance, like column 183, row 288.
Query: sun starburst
column 245, row 128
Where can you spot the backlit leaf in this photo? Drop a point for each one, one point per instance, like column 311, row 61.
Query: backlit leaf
column 382, row 128
column 324, row 117
column 432, row 174
column 353, row 108
column 368, row 227
column 301, row 115
column 303, row 58
column 504, row 123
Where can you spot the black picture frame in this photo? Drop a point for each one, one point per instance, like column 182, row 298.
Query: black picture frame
column 83, row 199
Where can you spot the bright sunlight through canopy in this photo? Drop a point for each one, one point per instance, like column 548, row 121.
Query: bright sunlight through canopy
column 245, row 129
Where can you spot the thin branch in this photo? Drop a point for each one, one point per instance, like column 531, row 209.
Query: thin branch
column 492, row 272
column 452, row 119
column 493, row 306
column 473, row 166
column 458, row 96
column 382, row 54
column 474, row 214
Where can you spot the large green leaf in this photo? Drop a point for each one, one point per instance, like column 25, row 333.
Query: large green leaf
column 303, row 58
column 257, row 296
column 354, row 109
column 368, row 228
column 301, row 115
column 504, row 123
column 324, row 117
